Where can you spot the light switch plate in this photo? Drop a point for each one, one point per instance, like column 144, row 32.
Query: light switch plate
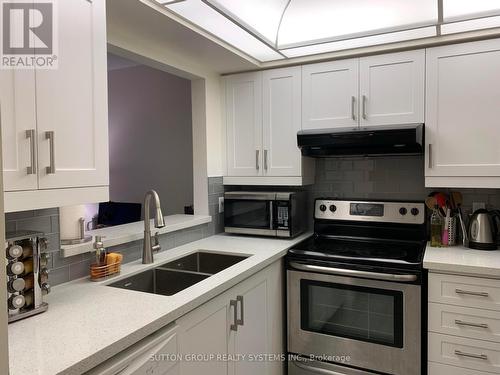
column 221, row 205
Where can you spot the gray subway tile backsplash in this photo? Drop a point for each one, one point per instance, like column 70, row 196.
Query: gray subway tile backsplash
column 66, row 269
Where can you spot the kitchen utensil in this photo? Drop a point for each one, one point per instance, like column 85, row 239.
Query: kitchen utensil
column 483, row 230
column 430, row 202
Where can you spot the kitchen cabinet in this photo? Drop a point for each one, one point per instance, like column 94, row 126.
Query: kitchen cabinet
column 391, row 88
column 245, row 321
column 464, row 329
column 18, row 123
column 330, row 94
column 263, row 112
column 377, row 90
column 462, row 112
column 54, row 121
column 244, row 124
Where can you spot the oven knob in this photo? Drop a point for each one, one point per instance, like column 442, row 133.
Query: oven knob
column 322, row 208
column 403, row 211
column 415, row 211
column 333, row 208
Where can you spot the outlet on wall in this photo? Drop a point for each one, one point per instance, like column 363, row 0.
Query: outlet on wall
column 221, row 205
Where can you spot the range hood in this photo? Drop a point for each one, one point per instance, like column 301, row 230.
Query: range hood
column 374, row 141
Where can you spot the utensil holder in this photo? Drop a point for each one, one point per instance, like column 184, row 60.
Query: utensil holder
column 102, row 272
column 452, row 231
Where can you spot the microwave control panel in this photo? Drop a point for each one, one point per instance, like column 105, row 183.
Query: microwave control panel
column 283, row 215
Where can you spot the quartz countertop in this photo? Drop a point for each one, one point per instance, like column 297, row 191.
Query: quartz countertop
column 88, row 323
column 462, row 260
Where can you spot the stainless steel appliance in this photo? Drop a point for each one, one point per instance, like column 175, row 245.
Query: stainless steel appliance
column 355, row 290
column 27, row 274
column 484, row 230
column 275, row 214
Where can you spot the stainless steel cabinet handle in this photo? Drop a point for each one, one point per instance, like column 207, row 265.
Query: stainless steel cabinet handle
column 470, row 324
column 353, row 107
column 315, row 370
column 265, row 159
column 354, row 273
column 271, row 215
column 364, row 107
column 234, row 304
column 257, row 166
column 51, row 169
column 240, row 321
column 484, row 357
column 429, row 156
column 30, row 134
column 470, row 293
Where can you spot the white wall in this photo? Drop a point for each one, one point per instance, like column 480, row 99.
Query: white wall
column 150, row 135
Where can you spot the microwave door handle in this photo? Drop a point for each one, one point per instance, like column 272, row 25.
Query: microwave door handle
column 271, row 215
column 353, row 273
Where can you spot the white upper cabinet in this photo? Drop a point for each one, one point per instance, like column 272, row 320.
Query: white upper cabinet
column 263, row 116
column 462, row 115
column 391, row 88
column 330, row 95
column 18, row 123
column 244, row 124
column 54, row 121
column 72, row 101
column 281, row 121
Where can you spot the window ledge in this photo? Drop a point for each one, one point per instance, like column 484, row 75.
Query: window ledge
column 121, row 234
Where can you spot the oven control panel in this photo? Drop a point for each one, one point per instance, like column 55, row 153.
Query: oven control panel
column 390, row 212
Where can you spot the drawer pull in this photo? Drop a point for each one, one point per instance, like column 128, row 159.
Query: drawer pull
column 477, row 325
column 479, row 294
column 484, row 357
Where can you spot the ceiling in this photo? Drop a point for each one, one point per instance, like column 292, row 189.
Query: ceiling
column 273, row 30
column 134, row 20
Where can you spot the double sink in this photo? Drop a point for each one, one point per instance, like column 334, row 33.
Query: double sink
column 172, row 277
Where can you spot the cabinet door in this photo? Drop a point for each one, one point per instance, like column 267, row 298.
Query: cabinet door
column 261, row 331
column 244, row 124
column 205, row 332
column 330, row 95
column 462, row 110
column 391, row 88
column 72, row 101
column 281, row 121
column 17, row 117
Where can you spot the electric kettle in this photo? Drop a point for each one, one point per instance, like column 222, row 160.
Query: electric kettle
column 484, row 230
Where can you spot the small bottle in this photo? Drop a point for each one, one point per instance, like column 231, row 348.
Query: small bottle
column 27, row 249
column 16, row 285
column 15, row 268
column 436, row 228
column 28, row 265
column 14, row 251
column 29, row 298
column 29, row 281
column 16, row 302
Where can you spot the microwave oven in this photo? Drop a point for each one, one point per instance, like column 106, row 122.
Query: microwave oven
column 260, row 213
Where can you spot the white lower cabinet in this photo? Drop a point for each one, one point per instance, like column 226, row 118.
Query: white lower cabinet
column 464, row 325
column 234, row 332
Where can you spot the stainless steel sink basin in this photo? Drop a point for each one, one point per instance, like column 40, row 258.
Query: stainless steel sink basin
column 173, row 277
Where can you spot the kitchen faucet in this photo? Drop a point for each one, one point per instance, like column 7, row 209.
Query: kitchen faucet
column 148, row 247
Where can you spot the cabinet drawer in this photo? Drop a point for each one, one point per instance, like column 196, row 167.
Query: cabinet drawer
column 466, row 353
column 464, row 321
column 464, row 291
column 440, row 369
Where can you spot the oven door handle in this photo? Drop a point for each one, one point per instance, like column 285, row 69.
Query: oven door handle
column 353, row 273
column 315, row 370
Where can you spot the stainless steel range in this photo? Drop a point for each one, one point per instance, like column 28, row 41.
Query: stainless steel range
column 355, row 290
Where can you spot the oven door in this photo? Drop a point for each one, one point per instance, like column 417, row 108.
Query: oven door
column 370, row 323
column 249, row 213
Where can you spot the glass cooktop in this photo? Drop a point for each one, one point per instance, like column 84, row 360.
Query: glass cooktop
column 364, row 251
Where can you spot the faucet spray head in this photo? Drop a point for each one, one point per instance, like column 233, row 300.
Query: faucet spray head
column 159, row 221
